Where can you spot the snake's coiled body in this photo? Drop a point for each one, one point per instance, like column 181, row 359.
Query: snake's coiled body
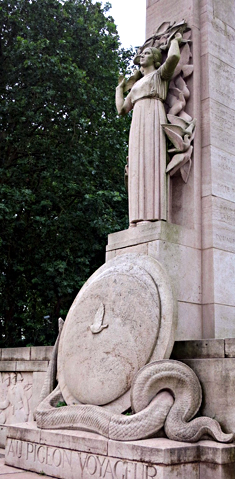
column 164, row 394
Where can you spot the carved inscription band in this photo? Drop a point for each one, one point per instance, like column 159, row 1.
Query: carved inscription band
column 64, row 461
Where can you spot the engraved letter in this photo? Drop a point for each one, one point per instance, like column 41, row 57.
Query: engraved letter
column 150, row 472
column 108, row 470
column 56, row 460
column 48, row 457
column 124, row 470
column 41, row 457
column 11, row 449
column 82, row 465
column 19, row 449
column 29, row 449
column 100, row 464
column 68, row 456
column 93, row 465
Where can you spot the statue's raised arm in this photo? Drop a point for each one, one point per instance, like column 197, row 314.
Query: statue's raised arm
column 173, row 57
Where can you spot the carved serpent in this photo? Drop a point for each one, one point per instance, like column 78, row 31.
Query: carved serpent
column 164, row 393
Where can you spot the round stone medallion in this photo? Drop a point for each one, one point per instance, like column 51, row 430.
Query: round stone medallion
column 110, row 332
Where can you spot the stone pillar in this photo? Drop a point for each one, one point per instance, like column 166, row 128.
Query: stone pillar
column 218, row 166
column 197, row 244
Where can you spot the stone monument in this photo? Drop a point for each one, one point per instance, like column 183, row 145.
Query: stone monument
column 113, row 403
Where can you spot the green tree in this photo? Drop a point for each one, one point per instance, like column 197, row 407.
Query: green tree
column 62, row 153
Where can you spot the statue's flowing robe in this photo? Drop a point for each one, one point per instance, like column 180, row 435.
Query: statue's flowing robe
column 147, row 148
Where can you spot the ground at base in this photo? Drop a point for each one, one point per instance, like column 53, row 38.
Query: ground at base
column 9, row 472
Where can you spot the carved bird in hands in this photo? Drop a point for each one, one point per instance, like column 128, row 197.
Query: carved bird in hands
column 181, row 144
column 178, row 161
column 182, row 162
column 178, row 120
column 181, row 126
column 98, row 325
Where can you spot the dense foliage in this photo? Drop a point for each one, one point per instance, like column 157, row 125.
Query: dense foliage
column 62, row 152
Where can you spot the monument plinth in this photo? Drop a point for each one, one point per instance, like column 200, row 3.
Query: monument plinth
column 77, row 454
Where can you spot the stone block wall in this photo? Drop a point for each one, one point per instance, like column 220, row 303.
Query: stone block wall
column 213, row 361
column 22, row 373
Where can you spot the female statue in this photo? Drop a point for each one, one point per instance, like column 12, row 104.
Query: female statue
column 147, row 144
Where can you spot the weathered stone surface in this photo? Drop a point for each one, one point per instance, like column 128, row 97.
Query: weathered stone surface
column 41, row 353
column 218, row 173
column 219, row 265
column 225, row 11
column 75, row 440
column 209, row 348
column 21, row 380
column 183, row 265
column 219, row 84
column 21, row 365
column 189, row 325
column 32, row 365
column 37, row 385
column 217, row 377
column 217, row 125
column 8, row 365
column 216, row 37
column 165, row 12
column 212, row 471
column 219, row 321
column 218, row 223
column 15, row 397
column 15, row 354
column 224, row 321
column 158, row 230
column 155, row 450
column 26, row 432
column 230, row 348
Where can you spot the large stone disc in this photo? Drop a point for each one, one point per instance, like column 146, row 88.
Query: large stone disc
column 110, row 332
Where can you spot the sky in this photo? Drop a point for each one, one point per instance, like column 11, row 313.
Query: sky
column 130, row 17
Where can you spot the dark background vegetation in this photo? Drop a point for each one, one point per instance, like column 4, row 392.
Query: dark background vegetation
column 62, row 155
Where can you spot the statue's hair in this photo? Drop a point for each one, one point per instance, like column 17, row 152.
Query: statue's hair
column 157, row 56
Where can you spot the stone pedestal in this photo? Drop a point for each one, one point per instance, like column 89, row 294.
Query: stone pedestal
column 177, row 250
column 83, row 455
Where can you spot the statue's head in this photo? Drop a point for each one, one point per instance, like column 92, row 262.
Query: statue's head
column 150, row 56
column 157, row 56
